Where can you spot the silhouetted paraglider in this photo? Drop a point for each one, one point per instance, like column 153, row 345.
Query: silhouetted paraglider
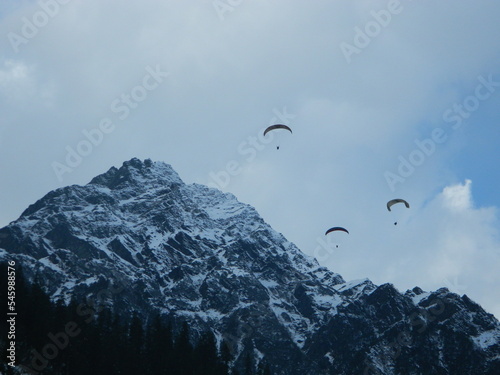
column 334, row 229
column 392, row 202
column 277, row 126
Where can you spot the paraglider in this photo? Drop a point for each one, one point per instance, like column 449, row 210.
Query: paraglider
column 392, row 202
column 277, row 126
column 334, row 229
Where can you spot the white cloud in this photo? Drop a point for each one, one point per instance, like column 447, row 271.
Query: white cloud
column 467, row 247
column 458, row 197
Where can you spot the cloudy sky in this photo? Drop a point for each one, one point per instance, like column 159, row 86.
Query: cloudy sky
column 386, row 99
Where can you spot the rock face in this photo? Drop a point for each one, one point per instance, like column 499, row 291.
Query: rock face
column 138, row 239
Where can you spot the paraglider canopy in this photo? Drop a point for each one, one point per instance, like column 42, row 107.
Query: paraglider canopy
column 394, row 201
column 277, row 126
column 336, row 229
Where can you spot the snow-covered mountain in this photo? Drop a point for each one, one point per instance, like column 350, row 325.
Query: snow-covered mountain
column 139, row 239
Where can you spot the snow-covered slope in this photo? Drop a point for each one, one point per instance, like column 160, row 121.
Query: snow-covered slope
column 140, row 239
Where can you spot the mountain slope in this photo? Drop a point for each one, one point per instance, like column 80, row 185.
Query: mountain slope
column 138, row 238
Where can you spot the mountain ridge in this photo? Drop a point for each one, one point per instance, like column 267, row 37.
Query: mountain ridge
column 197, row 254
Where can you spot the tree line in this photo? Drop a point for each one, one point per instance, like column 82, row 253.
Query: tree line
column 54, row 338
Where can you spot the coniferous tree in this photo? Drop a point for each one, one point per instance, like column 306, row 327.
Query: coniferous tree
column 206, row 361
column 182, row 353
column 119, row 339
column 95, row 351
column 249, row 366
column 159, row 346
column 135, row 346
column 38, row 316
column 109, row 351
column 225, row 356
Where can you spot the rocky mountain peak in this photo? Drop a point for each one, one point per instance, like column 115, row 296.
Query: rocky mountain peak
column 136, row 173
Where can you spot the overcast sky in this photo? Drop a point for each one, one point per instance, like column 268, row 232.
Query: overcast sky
column 386, row 99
